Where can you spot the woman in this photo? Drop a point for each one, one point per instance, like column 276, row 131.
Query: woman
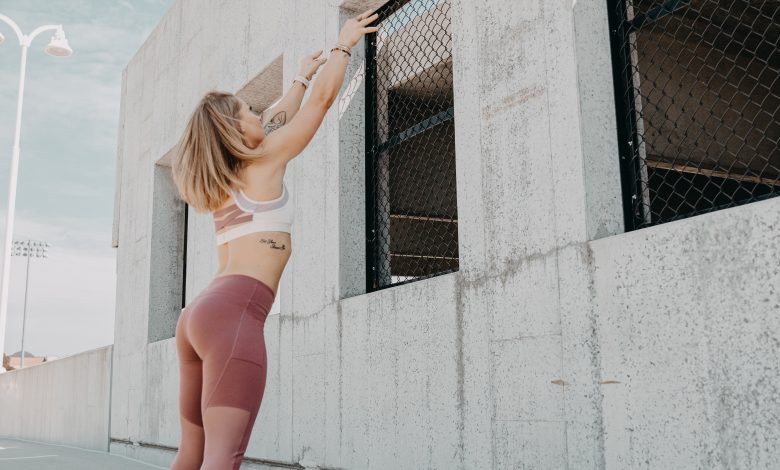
column 231, row 162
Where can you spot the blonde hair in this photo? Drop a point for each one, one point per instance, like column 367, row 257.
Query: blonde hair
column 211, row 152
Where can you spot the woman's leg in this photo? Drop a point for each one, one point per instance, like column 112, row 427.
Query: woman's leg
column 230, row 416
column 190, row 454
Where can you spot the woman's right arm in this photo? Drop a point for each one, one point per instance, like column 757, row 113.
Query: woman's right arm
column 288, row 141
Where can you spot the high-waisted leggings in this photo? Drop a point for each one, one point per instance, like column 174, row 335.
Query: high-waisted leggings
column 222, row 365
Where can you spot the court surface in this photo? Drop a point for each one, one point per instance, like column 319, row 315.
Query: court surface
column 17, row 454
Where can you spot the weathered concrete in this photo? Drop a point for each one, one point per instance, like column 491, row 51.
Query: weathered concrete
column 688, row 326
column 65, row 401
column 560, row 342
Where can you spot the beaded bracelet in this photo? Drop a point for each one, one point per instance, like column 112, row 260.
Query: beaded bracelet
column 341, row 48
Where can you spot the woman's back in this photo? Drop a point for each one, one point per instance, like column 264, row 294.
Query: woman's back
column 260, row 254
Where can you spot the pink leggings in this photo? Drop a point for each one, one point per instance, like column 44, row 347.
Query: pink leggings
column 222, row 364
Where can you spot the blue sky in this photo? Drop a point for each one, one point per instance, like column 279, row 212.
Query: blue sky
column 66, row 176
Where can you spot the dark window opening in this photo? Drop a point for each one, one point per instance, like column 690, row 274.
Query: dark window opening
column 411, row 200
column 697, row 94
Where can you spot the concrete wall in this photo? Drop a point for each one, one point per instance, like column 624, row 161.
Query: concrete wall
column 560, row 342
column 65, row 401
column 688, row 328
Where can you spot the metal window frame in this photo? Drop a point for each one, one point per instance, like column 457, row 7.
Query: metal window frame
column 184, row 260
column 374, row 149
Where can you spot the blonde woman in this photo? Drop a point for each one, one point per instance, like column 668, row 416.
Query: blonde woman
column 231, row 162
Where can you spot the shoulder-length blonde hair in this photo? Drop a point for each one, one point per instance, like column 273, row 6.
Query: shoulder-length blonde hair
column 211, row 152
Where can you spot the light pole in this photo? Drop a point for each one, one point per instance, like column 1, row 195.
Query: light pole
column 58, row 47
column 29, row 249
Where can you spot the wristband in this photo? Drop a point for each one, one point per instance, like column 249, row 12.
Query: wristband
column 303, row 80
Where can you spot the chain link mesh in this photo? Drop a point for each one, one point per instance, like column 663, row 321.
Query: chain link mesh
column 698, row 95
column 412, row 229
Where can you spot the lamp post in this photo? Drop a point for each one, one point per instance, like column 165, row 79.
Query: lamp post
column 29, row 249
column 58, row 47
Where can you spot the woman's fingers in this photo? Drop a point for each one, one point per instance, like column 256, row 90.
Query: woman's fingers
column 366, row 13
column 369, row 19
column 316, row 54
column 371, row 29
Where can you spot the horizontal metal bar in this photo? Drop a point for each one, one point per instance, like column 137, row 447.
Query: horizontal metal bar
column 417, row 278
column 422, row 217
column 417, row 129
column 655, row 14
column 403, row 255
column 683, row 168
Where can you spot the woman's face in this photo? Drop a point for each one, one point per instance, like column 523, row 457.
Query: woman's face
column 251, row 126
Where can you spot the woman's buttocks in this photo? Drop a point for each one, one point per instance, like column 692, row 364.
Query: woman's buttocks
column 228, row 317
column 262, row 255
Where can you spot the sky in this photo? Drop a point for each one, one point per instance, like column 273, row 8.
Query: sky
column 67, row 167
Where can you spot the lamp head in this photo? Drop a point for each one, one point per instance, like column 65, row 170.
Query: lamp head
column 58, row 46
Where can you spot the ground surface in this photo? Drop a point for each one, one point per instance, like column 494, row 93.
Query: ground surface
column 16, row 454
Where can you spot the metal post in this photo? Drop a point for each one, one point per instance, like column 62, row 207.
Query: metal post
column 9, row 215
column 24, row 312
column 57, row 47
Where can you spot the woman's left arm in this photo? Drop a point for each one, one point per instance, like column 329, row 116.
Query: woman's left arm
column 283, row 110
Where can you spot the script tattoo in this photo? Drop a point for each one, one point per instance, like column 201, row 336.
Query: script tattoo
column 272, row 243
column 276, row 122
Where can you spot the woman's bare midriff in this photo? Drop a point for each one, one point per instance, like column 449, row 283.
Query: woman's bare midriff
column 261, row 255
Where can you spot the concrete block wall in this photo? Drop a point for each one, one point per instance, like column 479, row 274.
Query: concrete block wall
column 65, row 401
column 560, row 343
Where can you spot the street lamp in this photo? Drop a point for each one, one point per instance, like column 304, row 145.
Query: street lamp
column 58, row 46
column 28, row 249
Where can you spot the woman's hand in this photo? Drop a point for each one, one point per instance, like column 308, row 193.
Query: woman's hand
column 311, row 63
column 355, row 28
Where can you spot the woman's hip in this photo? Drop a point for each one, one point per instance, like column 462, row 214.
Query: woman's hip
column 228, row 313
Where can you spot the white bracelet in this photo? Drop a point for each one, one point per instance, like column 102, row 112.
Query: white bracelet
column 303, row 80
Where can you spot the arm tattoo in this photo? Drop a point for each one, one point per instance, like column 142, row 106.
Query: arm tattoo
column 276, row 122
column 272, row 243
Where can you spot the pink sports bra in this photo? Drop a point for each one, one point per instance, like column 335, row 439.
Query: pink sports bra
column 246, row 216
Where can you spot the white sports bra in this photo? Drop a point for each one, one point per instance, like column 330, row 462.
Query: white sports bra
column 246, row 216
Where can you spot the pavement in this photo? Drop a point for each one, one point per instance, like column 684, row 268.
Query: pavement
column 19, row 454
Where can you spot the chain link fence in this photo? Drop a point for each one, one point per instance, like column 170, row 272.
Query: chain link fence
column 411, row 205
column 697, row 96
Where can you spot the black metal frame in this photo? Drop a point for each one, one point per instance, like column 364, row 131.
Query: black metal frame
column 184, row 261
column 373, row 149
column 370, row 45
column 624, row 105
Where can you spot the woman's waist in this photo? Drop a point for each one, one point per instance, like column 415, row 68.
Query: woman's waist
column 262, row 260
column 266, row 266
column 262, row 244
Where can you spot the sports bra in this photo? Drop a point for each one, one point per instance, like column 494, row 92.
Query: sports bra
column 245, row 215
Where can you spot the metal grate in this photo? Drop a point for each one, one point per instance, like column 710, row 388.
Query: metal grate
column 697, row 96
column 411, row 203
